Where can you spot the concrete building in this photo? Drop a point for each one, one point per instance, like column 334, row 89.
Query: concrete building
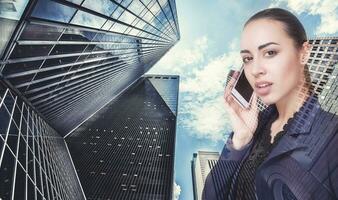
column 201, row 164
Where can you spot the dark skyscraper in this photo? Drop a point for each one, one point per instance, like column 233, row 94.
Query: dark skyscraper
column 63, row 54
column 126, row 150
column 61, row 62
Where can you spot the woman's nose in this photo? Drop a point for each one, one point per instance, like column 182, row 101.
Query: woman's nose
column 258, row 68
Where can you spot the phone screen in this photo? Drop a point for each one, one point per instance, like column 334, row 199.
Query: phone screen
column 243, row 87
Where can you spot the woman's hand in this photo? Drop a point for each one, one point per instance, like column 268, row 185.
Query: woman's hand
column 244, row 121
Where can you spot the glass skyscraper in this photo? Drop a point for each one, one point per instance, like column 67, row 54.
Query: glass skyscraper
column 126, row 150
column 61, row 62
column 63, row 55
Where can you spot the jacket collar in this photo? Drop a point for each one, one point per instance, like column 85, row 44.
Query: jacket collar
column 302, row 121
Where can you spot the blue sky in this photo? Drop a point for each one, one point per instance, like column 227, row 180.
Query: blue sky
column 209, row 46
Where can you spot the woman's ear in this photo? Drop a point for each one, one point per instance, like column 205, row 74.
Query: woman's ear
column 305, row 52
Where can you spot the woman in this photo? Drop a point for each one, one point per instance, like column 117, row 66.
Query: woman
column 286, row 151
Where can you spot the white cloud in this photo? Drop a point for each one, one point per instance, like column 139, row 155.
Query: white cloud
column 182, row 56
column 207, row 119
column 177, row 191
column 203, row 110
column 209, row 79
column 326, row 9
column 201, row 106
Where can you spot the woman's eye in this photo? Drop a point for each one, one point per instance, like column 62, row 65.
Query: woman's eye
column 246, row 59
column 271, row 53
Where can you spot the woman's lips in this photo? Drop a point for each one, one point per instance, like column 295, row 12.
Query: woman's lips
column 263, row 88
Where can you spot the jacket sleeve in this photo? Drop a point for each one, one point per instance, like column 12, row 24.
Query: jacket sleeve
column 333, row 165
column 230, row 153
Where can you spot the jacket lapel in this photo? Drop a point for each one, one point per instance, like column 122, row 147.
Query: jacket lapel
column 287, row 144
column 297, row 127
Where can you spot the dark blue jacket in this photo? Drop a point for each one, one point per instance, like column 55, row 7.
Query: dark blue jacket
column 303, row 165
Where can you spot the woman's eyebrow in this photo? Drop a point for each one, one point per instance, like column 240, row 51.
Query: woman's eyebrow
column 260, row 47
column 266, row 44
column 245, row 51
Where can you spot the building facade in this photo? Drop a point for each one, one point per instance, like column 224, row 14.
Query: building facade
column 126, row 150
column 62, row 56
column 60, row 62
column 201, row 164
column 34, row 158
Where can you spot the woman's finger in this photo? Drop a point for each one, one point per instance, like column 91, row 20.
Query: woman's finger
column 232, row 77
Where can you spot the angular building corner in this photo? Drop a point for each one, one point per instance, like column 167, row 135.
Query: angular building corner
column 62, row 62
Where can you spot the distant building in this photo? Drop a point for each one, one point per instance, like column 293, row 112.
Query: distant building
column 201, row 164
column 322, row 61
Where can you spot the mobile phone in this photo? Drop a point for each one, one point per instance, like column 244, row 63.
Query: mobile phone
column 242, row 90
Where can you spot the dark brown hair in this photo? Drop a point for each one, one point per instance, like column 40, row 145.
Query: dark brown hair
column 292, row 25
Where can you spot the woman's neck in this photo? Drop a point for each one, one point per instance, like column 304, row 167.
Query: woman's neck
column 291, row 103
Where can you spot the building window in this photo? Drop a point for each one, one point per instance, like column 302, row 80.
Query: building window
column 53, row 11
column 326, row 41
column 327, row 56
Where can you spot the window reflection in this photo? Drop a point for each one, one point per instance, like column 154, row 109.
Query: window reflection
column 59, row 61
column 21, row 67
column 51, row 10
column 89, row 20
column 105, row 7
column 23, row 51
column 117, row 13
column 136, row 7
column 155, row 8
column 10, row 13
column 75, row 1
column 64, row 49
column 77, row 35
column 119, row 28
column 146, row 2
column 40, row 32
column 127, row 17
column 125, row 3
column 6, row 174
column 107, row 25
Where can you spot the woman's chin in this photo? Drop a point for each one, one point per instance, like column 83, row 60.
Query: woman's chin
column 267, row 99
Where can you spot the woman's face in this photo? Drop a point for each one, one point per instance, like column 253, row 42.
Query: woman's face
column 272, row 63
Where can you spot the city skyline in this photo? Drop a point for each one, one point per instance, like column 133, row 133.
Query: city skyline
column 208, row 47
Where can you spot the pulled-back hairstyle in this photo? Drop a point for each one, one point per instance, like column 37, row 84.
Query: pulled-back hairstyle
column 293, row 27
